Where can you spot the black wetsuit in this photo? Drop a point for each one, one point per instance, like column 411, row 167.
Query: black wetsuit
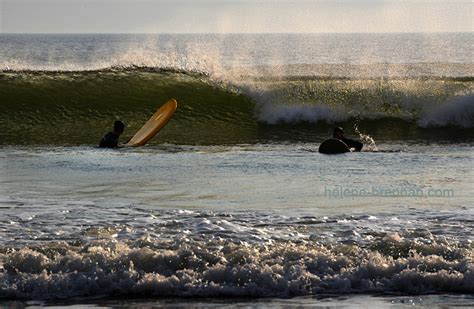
column 110, row 140
column 353, row 144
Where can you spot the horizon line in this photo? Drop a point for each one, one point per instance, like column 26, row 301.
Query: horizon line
column 214, row 33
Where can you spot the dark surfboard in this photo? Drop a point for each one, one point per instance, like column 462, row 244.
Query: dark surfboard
column 333, row 146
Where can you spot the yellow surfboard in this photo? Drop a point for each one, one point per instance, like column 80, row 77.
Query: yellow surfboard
column 154, row 124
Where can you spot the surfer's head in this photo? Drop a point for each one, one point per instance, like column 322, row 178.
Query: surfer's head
column 119, row 126
column 338, row 133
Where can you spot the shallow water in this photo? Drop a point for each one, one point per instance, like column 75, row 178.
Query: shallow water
column 265, row 220
column 349, row 301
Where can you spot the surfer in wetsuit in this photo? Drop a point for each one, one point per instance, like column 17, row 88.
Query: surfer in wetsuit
column 110, row 140
column 338, row 133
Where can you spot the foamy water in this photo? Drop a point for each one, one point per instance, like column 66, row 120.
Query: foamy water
column 247, row 221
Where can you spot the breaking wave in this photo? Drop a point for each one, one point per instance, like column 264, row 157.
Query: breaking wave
column 75, row 107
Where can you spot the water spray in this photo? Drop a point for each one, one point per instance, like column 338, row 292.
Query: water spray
column 365, row 138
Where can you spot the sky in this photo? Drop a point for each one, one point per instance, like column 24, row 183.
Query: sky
column 235, row 16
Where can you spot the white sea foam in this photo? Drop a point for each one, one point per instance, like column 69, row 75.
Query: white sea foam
column 218, row 269
column 457, row 112
column 271, row 109
column 337, row 100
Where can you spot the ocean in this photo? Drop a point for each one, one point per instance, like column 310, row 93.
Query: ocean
column 231, row 204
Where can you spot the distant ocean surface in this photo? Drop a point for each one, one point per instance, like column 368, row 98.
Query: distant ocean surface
column 231, row 204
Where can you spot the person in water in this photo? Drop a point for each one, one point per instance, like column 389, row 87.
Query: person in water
column 338, row 133
column 111, row 139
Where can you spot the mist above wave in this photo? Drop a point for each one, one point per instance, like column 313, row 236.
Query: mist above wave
column 349, row 55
